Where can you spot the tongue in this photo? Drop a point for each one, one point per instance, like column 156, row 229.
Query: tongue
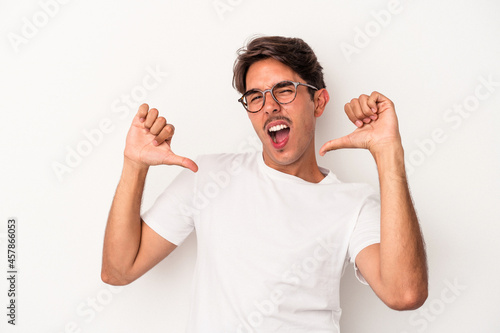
column 282, row 134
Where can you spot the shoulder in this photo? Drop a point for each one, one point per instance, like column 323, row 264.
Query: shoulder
column 224, row 157
column 224, row 169
column 225, row 160
column 355, row 190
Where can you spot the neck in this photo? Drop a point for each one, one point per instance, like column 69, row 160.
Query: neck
column 305, row 167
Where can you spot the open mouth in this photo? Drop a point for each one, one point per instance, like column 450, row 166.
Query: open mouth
column 279, row 135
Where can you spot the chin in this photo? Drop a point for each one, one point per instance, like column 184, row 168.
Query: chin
column 282, row 157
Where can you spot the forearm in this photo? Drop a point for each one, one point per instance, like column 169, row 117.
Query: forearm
column 123, row 230
column 403, row 264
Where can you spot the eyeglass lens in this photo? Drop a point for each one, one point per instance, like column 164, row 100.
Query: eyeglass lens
column 284, row 92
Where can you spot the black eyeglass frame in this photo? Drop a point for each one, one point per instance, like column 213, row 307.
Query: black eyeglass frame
column 296, row 84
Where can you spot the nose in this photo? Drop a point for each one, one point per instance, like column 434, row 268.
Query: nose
column 270, row 104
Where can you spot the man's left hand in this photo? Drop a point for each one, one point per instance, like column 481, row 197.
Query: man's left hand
column 376, row 121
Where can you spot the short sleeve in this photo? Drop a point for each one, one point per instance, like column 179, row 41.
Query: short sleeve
column 171, row 216
column 366, row 231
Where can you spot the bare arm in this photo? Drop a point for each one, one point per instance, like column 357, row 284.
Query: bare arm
column 396, row 269
column 131, row 248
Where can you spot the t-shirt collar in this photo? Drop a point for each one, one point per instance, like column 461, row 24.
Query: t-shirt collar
column 330, row 178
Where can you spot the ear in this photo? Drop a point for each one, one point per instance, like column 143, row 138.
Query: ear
column 321, row 98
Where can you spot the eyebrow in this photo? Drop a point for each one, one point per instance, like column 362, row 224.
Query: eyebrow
column 283, row 83
column 251, row 91
column 278, row 84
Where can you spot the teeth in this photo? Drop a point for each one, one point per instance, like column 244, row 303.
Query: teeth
column 277, row 128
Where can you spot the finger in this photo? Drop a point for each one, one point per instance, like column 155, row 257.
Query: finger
column 365, row 108
column 373, row 99
column 158, row 125
column 343, row 142
column 142, row 112
column 357, row 110
column 150, row 118
column 185, row 162
column 352, row 117
column 165, row 135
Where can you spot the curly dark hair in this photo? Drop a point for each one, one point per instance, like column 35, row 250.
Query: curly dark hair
column 293, row 52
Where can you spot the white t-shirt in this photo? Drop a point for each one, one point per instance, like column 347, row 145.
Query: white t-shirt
column 271, row 247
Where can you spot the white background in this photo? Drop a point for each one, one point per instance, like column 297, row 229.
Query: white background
column 69, row 74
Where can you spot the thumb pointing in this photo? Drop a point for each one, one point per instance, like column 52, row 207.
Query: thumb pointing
column 343, row 142
column 182, row 161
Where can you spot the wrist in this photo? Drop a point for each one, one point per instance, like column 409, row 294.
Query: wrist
column 389, row 158
column 392, row 148
column 131, row 167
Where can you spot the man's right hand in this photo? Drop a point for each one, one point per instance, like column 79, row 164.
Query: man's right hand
column 148, row 141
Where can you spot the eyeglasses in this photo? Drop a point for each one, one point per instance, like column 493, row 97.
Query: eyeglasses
column 283, row 92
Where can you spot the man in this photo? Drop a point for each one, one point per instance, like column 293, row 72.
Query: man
column 274, row 229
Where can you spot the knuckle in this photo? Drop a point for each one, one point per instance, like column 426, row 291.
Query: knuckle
column 167, row 132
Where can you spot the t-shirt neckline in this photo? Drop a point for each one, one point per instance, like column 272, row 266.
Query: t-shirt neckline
column 329, row 178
